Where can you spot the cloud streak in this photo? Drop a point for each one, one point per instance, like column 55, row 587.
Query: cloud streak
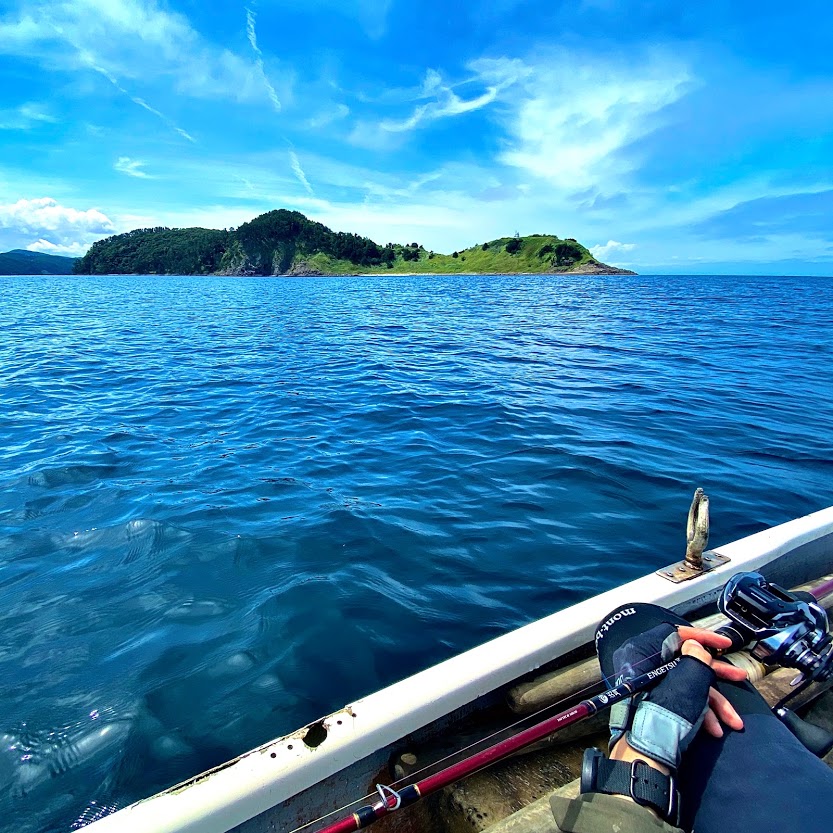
column 295, row 164
column 251, row 17
column 176, row 129
column 496, row 75
column 89, row 61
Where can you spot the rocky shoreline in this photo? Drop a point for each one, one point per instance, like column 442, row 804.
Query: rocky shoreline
column 304, row 270
column 600, row 269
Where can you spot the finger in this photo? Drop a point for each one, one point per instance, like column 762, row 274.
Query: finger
column 692, row 648
column 727, row 671
column 724, row 710
column 712, row 725
column 705, row 637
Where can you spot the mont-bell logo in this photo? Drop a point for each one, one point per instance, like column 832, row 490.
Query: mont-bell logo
column 603, row 628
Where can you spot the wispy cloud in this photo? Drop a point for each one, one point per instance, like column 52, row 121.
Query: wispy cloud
column 131, row 167
column 136, row 40
column 25, row 117
column 299, row 171
column 251, row 17
column 773, row 216
column 495, row 75
column 144, row 105
column 575, row 115
column 325, row 117
column 89, row 60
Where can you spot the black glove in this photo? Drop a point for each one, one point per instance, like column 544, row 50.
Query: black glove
column 661, row 722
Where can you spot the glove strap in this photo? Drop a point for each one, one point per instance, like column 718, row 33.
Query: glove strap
column 645, row 785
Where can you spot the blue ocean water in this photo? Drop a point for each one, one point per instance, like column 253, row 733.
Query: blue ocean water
column 228, row 506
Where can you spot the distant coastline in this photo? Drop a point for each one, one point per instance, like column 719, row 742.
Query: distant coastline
column 24, row 262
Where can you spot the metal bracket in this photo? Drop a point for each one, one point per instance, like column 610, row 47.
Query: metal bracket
column 683, row 571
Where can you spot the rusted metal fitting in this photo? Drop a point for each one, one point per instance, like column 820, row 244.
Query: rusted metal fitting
column 696, row 561
column 697, row 531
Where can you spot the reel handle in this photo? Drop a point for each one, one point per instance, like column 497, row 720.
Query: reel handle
column 817, row 740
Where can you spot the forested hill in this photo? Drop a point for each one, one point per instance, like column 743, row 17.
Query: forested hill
column 288, row 243
column 24, row 262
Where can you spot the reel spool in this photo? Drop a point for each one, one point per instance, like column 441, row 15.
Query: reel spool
column 787, row 629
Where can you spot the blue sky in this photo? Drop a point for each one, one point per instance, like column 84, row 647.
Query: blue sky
column 670, row 137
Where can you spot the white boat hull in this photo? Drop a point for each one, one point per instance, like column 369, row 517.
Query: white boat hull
column 286, row 782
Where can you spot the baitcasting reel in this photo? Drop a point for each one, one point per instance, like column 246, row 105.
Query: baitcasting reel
column 788, row 629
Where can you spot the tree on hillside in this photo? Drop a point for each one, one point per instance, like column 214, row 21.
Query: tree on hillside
column 485, row 247
column 514, row 245
column 454, row 254
column 567, row 253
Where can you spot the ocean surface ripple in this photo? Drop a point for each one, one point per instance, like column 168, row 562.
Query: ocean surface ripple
column 228, row 506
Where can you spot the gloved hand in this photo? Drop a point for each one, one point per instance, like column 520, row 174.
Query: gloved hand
column 662, row 722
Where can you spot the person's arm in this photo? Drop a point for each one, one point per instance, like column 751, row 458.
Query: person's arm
column 655, row 737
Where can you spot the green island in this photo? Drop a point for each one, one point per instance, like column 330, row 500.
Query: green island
column 287, row 243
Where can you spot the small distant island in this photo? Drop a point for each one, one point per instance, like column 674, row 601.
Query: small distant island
column 287, row 243
column 24, row 262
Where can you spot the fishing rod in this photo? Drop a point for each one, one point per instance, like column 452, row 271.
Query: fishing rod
column 391, row 799
column 789, row 629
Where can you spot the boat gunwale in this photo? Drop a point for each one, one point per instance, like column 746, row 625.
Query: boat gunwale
column 255, row 782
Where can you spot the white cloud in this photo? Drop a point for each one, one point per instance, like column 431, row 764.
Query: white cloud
column 575, row 115
column 131, row 167
column 251, row 17
column 71, row 249
column 611, row 249
column 46, row 213
column 43, row 222
column 299, row 171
